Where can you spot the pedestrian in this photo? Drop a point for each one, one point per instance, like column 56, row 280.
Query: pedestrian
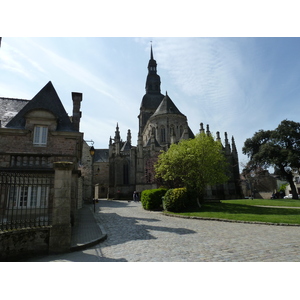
column 135, row 196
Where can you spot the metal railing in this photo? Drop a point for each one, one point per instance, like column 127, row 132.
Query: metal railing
column 26, row 200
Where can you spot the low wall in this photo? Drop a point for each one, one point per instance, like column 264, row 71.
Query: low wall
column 23, row 243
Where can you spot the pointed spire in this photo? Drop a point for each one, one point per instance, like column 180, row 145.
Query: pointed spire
column 152, row 63
column 207, row 130
column 227, row 145
column 233, row 145
column 153, row 80
column 201, row 128
column 117, row 134
column 218, row 136
column 151, row 54
column 129, row 136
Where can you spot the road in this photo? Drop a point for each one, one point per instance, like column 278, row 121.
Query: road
column 136, row 235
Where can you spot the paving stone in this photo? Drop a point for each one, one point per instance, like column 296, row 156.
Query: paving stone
column 138, row 235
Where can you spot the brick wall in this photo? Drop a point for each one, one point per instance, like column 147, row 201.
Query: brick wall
column 60, row 145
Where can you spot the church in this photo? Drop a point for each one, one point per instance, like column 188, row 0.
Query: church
column 131, row 168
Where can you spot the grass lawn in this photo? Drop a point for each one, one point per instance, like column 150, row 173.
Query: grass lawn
column 246, row 210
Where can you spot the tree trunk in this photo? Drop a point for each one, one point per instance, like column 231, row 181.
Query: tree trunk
column 289, row 177
column 198, row 202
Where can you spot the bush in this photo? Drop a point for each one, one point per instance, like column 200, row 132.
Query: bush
column 152, row 199
column 176, row 200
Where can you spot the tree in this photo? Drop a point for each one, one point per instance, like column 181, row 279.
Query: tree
column 196, row 163
column 279, row 148
column 258, row 180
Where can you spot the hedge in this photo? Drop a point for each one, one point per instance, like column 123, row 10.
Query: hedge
column 152, row 199
column 179, row 199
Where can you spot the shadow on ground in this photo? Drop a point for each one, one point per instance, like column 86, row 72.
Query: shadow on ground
column 122, row 229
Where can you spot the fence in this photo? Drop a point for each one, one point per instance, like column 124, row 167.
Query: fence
column 26, row 200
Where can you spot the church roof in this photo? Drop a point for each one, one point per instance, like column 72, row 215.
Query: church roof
column 190, row 133
column 46, row 99
column 151, row 101
column 101, row 155
column 126, row 146
column 167, row 106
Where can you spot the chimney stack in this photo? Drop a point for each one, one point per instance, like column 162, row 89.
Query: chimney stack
column 77, row 98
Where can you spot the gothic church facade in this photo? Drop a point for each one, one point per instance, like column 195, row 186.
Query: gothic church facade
column 160, row 125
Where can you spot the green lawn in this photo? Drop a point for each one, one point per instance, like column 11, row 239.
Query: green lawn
column 275, row 202
column 245, row 210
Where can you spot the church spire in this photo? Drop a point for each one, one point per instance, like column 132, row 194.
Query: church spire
column 151, row 54
column 152, row 63
column 153, row 80
column 117, row 134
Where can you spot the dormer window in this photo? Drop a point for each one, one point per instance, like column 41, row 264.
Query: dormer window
column 40, row 135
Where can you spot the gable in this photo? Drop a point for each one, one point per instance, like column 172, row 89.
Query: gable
column 47, row 100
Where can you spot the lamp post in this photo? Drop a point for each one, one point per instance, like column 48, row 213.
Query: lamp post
column 92, row 153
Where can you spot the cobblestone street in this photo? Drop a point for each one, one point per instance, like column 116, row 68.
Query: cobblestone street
column 136, row 235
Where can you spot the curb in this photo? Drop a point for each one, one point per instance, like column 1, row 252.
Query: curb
column 231, row 221
column 89, row 244
column 94, row 242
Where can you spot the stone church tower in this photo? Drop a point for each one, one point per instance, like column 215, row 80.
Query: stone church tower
column 160, row 125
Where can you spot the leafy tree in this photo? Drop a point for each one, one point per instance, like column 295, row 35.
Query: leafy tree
column 195, row 163
column 279, row 148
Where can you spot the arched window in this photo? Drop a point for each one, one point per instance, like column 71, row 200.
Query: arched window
column 163, row 134
column 180, row 131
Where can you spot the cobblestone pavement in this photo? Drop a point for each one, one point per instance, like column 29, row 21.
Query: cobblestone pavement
column 138, row 235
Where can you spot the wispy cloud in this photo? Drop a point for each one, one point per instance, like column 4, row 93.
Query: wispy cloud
column 237, row 85
column 16, row 61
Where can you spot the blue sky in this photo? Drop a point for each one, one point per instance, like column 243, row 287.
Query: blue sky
column 237, row 85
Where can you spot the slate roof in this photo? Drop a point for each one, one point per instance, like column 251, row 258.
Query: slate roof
column 151, row 101
column 101, row 155
column 190, row 133
column 46, row 99
column 126, row 146
column 9, row 107
column 167, row 106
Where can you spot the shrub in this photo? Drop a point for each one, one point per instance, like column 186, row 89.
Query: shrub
column 152, row 199
column 176, row 200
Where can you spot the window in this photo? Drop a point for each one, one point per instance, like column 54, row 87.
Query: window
column 28, row 196
column 180, row 131
column 40, row 135
column 162, row 135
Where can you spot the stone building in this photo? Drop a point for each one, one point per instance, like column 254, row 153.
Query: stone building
column 160, row 125
column 34, row 135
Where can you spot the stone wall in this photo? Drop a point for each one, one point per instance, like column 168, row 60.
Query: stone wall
column 22, row 243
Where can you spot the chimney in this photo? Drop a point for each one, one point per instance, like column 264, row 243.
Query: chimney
column 77, row 98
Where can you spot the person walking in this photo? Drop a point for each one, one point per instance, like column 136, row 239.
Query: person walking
column 135, row 196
